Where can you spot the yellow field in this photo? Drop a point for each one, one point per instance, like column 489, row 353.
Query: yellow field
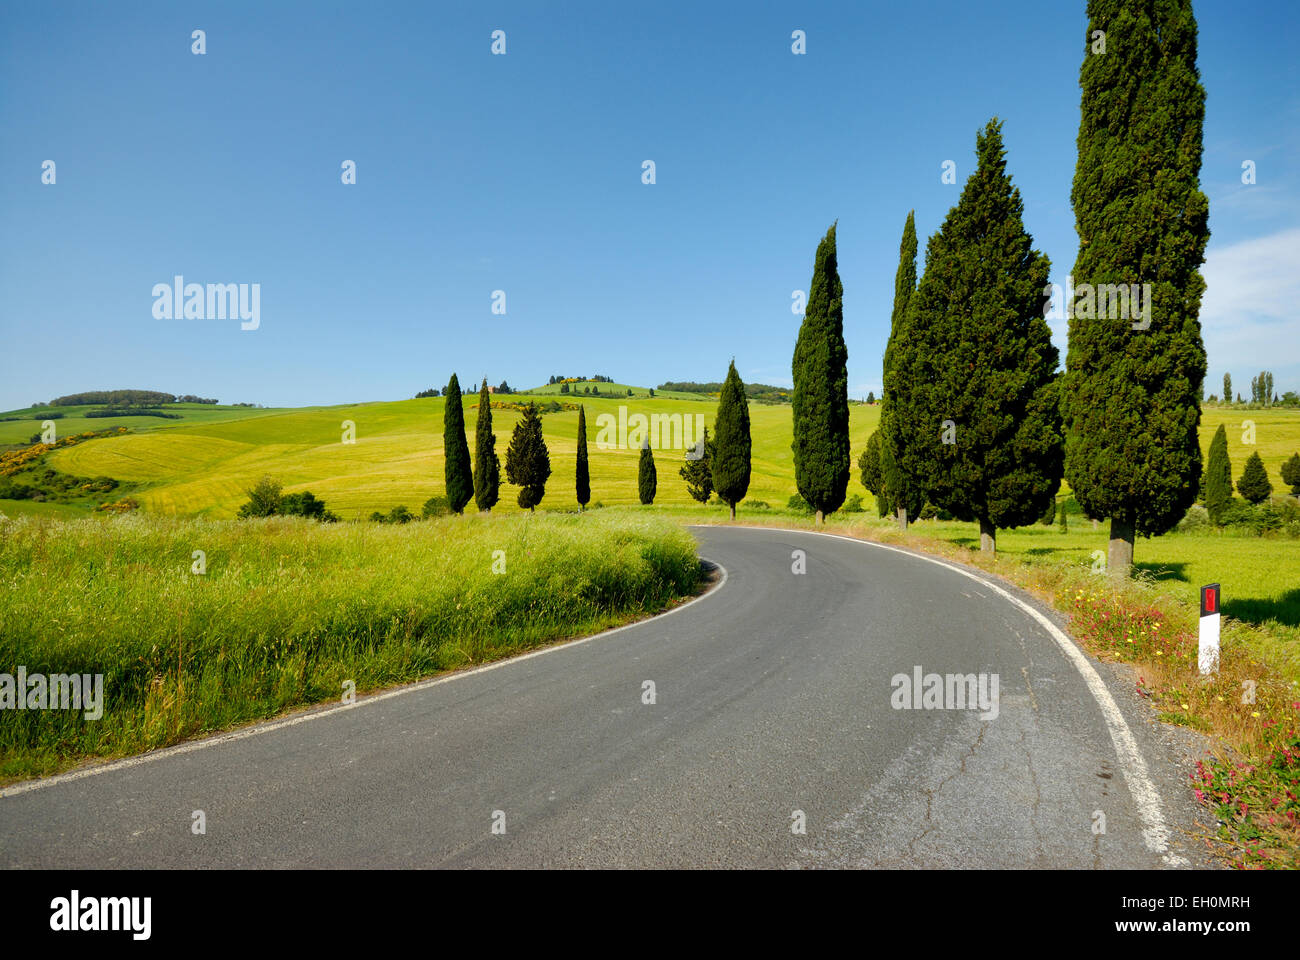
column 397, row 456
column 204, row 468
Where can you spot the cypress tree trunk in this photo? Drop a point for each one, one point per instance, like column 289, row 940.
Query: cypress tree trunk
column 820, row 517
column 902, row 519
column 733, row 511
column 1119, row 553
column 988, row 537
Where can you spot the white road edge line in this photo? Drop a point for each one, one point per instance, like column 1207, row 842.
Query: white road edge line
column 252, row 731
column 1145, row 796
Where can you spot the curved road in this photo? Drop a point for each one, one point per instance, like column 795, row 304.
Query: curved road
column 772, row 695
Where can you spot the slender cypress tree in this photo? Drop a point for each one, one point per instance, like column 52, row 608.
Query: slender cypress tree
column 993, row 393
column 820, row 399
column 487, row 465
column 904, row 453
column 581, row 474
column 1254, row 484
column 698, row 472
column 459, row 477
column 1227, row 388
column 647, row 478
column 731, row 442
column 528, row 464
column 1218, row 476
column 1132, row 389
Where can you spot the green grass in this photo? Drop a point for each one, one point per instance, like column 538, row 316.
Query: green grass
column 289, row 610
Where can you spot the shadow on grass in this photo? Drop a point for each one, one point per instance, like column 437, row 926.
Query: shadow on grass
column 1284, row 609
column 1162, row 571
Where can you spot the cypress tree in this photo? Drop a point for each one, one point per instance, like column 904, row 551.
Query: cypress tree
column 820, row 399
column 647, row 479
column 1291, row 473
column 1132, row 396
column 903, row 423
column 1254, row 484
column 698, row 473
column 581, row 474
column 528, row 464
column 731, row 442
column 1227, row 388
column 460, row 479
column 487, row 465
column 992, row 417
column 1218, row 476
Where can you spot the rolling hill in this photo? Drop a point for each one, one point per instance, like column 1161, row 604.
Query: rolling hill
column 203, row 463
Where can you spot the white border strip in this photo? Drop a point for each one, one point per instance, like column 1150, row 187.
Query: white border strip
column 1145, row 796
column 257, row 729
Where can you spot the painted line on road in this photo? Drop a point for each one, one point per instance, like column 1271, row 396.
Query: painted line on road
column 258, row 729
column 1155, row 831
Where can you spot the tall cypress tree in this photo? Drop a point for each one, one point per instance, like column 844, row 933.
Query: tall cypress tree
column 647, row 478
column 1218, row 476
column 1227, row 388
column 460, row 479
column 731, row 442
column 992, row 404
column 820, row 399
column 528, row 464
column 582, row 477
column 904, row 452
column 487, row 465
column 1132, row 395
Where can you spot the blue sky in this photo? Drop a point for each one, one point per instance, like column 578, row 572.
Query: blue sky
column 522, row 173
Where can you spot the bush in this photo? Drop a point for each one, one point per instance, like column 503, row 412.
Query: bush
column 758, row 505
column 263, row 499
column 398, row 514
column 434, row 507
column 853, row 504
column 799, row 505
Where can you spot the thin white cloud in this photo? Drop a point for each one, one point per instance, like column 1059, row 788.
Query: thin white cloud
column 1250, row 314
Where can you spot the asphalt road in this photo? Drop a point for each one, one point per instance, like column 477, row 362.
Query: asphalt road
column 772, row 695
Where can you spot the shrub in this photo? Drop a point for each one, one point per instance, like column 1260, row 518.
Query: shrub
column 435, row 507
column 853, row 504
column 263, row 499
column 1254, row 484
column 799, row 505
column 758, row 505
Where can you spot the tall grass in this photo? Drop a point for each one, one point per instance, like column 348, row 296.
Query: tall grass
column 289, row 610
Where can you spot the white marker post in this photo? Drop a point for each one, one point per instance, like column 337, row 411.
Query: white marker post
column 1207, row 651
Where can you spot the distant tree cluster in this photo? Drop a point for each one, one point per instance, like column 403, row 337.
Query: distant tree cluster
column 431, row 392
column 754, row 391
column 133, row 398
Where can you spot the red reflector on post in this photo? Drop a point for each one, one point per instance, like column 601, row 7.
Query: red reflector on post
column 1209, row 599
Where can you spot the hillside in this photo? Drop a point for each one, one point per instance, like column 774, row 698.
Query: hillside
column 203, row 463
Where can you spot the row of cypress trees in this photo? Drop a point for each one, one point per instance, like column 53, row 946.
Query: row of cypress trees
column 975, row 418
column 724, row 466
column 528, row 463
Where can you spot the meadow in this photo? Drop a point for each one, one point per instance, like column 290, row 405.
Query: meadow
column 287, row 611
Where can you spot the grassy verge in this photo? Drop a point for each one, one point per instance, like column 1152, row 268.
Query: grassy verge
column 1251, row 708
column 289, row 611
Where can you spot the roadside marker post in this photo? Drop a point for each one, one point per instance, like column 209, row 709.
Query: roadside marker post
column 1207, row 652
